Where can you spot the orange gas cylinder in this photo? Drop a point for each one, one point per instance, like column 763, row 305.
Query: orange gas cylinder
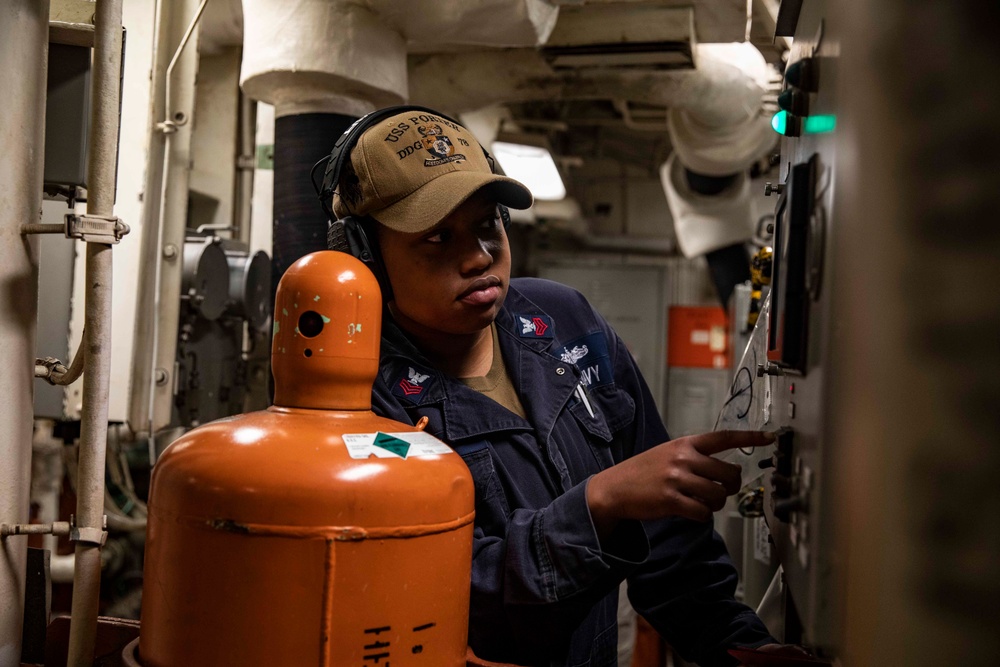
column 314, row 532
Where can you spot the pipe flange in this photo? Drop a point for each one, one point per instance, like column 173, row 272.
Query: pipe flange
column 95, row 228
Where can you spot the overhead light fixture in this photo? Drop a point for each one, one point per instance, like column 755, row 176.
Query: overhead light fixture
column 533, row 166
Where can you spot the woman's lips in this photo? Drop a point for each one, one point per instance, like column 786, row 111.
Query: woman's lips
column 483, row 296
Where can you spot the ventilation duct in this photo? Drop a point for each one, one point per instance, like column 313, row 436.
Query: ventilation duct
column 622, row 37
column 445, row 24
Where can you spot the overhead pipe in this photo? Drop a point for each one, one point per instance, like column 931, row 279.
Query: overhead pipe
column 101, row 171
column 24, row 37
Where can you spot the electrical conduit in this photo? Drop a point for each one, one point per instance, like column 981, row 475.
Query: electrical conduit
column 101, row 168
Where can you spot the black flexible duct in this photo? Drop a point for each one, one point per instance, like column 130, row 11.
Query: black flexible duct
column 729, row 266
column 299, row 222
column 708, row 185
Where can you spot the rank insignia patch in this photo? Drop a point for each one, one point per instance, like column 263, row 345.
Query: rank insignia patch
column 413, row 387
column 534, row 326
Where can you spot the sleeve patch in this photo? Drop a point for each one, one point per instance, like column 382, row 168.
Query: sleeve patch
column 590, row 354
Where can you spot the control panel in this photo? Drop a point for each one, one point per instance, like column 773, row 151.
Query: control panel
column 780, row 383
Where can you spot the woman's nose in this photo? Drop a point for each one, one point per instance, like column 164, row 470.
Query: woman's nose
column 476, row 255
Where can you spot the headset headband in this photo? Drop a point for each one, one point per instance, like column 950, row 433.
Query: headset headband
column 342, row 149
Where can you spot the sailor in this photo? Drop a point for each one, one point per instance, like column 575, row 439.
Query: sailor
column 578, row 485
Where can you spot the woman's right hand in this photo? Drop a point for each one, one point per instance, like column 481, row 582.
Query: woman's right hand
column 675, row 478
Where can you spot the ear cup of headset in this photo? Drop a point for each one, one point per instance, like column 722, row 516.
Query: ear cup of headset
column 504, row 216
column 336, row 237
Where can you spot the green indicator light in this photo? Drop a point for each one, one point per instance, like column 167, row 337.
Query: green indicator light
column 780, row 122
column 818, row 124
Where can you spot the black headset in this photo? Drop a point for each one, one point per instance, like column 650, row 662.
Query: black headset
column 356, row 235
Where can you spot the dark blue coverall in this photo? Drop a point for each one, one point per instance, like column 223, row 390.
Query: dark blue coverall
column 544, row 588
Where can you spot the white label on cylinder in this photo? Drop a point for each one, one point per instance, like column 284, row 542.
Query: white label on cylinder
column 394, row 445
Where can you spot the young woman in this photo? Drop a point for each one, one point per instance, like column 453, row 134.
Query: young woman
column 578, row 486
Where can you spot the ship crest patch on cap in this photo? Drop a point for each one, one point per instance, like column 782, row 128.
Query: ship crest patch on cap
column 437, row 143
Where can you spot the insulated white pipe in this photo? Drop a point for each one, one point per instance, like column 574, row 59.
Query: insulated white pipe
column 24, row 36
column 704, row 223
column 721, row 131
column 343, row 58
column 101, row 169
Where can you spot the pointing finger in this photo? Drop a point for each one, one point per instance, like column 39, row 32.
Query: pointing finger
column 721, row 441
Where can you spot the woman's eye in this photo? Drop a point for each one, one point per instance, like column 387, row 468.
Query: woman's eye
column 436, row 238
column 491, row 222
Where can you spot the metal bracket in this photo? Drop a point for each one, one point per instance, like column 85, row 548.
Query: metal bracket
column 50, row 369
column 95, row 228
column 95, row 536
column 768, row 368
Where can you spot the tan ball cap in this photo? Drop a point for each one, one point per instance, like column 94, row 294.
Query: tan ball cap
column 415, row 168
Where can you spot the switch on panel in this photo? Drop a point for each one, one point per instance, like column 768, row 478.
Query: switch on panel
column 803, row 74
column 787, row 494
